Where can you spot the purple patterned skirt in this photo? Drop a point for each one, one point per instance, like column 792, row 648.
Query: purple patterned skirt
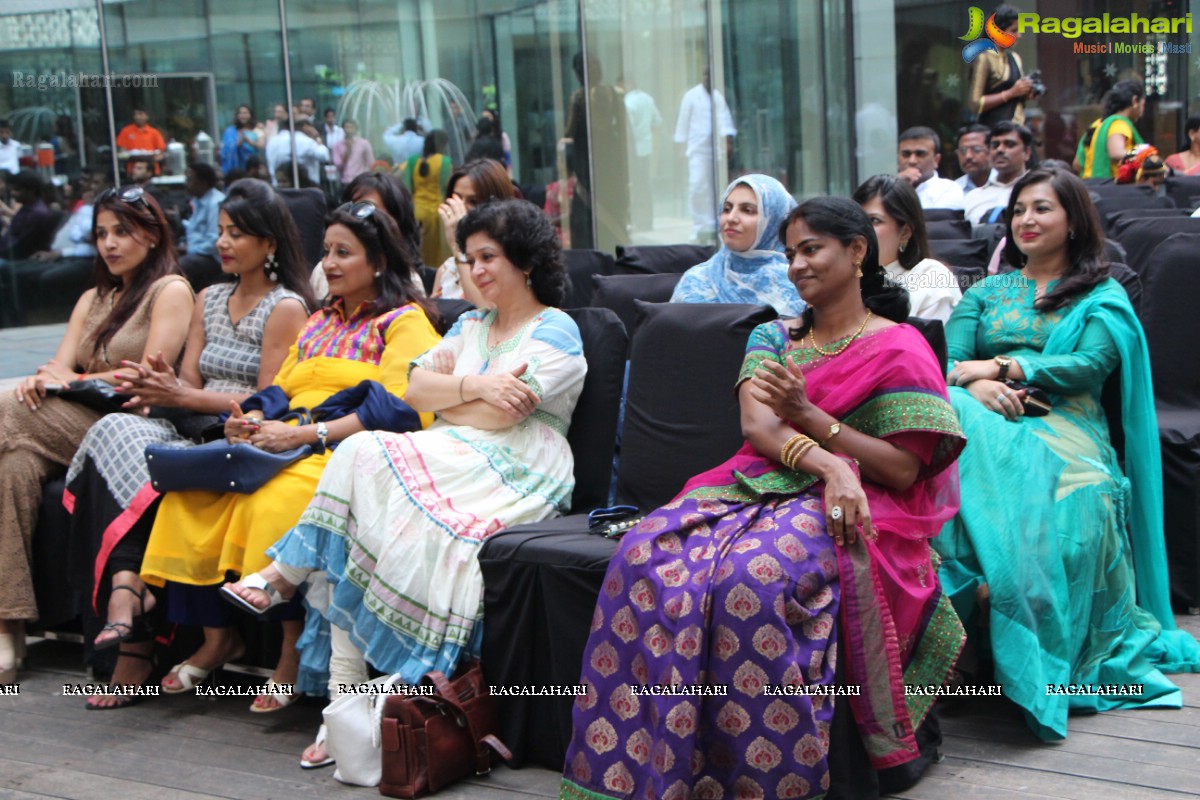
column 735, row 605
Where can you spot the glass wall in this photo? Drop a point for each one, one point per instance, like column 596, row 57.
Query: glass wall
column 624, row 120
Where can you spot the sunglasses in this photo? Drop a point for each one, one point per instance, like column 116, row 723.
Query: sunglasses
column 128, row 194
column 361, row 211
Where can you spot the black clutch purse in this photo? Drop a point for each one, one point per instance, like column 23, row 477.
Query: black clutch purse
column 94, row 393
column 1037, row 402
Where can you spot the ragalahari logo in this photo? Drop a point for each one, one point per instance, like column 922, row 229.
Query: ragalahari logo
column 994, row 40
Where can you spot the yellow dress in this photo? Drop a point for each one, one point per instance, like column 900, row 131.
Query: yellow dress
column 199, row 536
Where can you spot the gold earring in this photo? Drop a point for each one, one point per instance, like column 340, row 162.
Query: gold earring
column 903, row 244
column 858, row 273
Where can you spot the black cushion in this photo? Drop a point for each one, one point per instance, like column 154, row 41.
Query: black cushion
column 593, row 431
column 1123, row 213
column 1111, row 198
column 681, row 413
column 1168, row 315
column 581, row 266
column 308, row 209
column 935, row 333
column 449, row 311
column 935, row 214
column 540, row 584
column 960, row 252
column 1114, row 253
column 948, row 229
column 1184, row 190
column 1140, row 236
column 619, row 292
column 660, row 258
column 1130, row 281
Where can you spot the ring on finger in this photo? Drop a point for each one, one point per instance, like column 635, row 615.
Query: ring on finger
column 835, row 513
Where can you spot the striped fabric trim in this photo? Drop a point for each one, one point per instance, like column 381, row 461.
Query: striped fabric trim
column 329, row 334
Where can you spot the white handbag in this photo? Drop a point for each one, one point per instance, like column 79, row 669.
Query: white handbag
column 352, row 723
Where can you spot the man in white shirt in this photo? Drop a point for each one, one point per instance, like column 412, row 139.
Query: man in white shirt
column 699, row 109
column 10, row 149
column 642, row 113
column 972, row 152
column 310, row 154
column 332, row 132
column 404, row 141
column 919, row 155
column 1011, row 146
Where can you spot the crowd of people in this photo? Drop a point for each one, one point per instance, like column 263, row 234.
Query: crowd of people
column 885, row 522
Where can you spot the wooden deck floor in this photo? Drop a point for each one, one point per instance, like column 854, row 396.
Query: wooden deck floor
column 189, row 747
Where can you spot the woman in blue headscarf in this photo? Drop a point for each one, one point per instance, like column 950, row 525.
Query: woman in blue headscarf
column 750, row 267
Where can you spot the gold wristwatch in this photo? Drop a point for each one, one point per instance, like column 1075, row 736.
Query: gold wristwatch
column 834, row 430
column 1004, row 363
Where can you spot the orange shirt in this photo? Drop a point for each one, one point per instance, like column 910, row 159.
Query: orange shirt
column 132, row 137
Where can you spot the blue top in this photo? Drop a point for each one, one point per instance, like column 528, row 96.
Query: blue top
column 200, row 229
column 758, row 275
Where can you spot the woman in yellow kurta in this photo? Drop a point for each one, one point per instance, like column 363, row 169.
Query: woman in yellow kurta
column 350, row 365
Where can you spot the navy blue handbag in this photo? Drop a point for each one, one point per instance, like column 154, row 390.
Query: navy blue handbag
column 220, row 466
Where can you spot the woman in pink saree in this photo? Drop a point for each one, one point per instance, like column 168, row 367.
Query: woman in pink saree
column 733, row 603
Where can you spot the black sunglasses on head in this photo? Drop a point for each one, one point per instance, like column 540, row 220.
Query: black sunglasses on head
column 362, row 210
column 127, row 194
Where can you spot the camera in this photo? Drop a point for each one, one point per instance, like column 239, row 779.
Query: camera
column 1035, row 78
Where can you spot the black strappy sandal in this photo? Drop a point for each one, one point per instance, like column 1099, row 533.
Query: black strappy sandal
column 136, row 630
column 125, row 700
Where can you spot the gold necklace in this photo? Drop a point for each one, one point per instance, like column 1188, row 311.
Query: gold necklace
column 841, row 349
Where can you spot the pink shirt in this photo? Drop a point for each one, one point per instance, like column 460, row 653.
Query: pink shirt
column 353, row 158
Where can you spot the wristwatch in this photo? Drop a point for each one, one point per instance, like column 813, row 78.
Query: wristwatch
column 834, row 430
column 322, row 435
column 1004, row 363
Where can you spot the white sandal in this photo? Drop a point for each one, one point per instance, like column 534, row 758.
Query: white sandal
column 283, row 695
column 254, row 581
column 320, row 740
column 189, row 677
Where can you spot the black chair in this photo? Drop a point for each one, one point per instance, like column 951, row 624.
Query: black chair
column 1140, row 236
column 1184, row 190
column 1169, row 317
column 619, row 292
column 1145, row 213
column 960, row 252
column 948, row 229
column 581, row 266
column 541, row 581
column 1114, row 253
column 1130, row 282
column 428, row 279
column 936, row 214
column 1119, row 196
column 308, row 209
column 660, row 258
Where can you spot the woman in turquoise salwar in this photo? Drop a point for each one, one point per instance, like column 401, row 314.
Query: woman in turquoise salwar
column 1041, row 555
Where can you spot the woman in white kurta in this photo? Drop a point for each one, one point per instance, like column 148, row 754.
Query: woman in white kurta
column 899, row 222
column 397, row 520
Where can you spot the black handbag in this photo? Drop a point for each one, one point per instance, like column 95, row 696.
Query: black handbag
column 220, row 466
column 94, row 393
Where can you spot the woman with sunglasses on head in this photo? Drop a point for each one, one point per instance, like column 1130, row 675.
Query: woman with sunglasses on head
column 350, row 367
column 1056, row 561
column 240, row 333
column 397, row 521
column 137, row 310
column 474, row 183
column 390, row 196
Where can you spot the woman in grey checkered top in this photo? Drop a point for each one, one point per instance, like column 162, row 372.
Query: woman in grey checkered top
column 239, row 335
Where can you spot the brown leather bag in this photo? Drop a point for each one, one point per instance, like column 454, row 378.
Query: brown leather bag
column 430, row 741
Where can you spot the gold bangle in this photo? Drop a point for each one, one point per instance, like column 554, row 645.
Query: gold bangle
column 787, row 447
column 799, row 453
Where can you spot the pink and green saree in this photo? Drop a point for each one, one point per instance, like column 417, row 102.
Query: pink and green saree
column 734, row 593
